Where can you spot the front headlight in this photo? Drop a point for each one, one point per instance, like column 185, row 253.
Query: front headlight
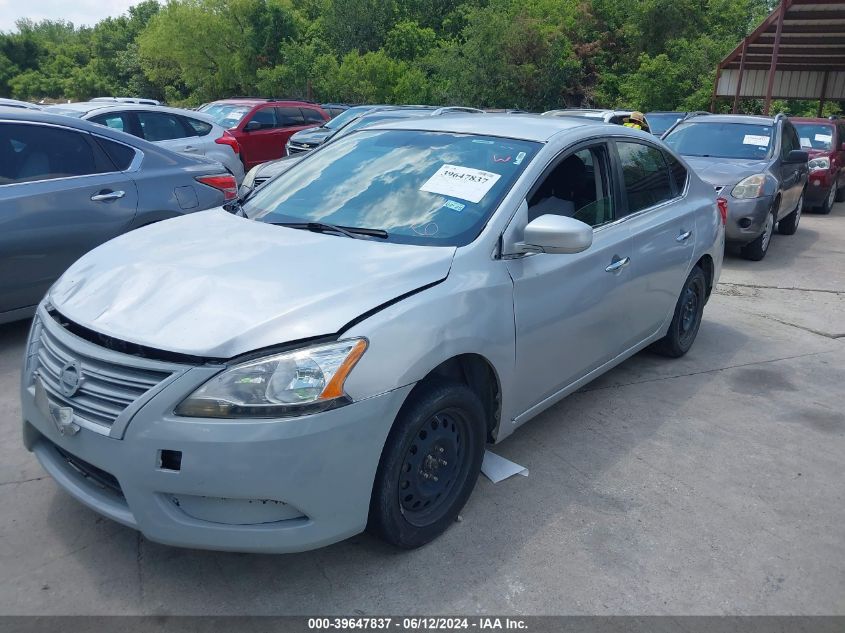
column 284, row 385
column 751, row 187
column 821, row 163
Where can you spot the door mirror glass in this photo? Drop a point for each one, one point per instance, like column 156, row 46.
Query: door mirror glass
column 252, row 126
column 796, row 156
column 556, row 234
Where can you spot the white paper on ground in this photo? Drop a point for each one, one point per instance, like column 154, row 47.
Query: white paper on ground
column 497, row 468
column 465, row 183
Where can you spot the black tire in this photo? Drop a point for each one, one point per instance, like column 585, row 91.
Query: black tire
column 840, row 194
column 827, row 206
column 756, row 250
column 429, row 464
column 687, row 318
column 789, row 224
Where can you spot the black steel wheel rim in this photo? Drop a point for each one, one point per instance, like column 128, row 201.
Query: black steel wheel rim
column 690, row 310
column 435, row 466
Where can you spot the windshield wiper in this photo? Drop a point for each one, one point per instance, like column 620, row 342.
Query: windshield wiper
column 354, row 232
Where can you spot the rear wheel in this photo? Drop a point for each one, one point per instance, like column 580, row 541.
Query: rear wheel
column 789, row 224
column 756, row 250
column 687, row 317
column 429, row 464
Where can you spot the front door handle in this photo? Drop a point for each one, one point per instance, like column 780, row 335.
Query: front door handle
column 105, row 196
column 619, row 264
column 683, row 237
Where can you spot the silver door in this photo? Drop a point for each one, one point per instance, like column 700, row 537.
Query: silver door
column 662, row 226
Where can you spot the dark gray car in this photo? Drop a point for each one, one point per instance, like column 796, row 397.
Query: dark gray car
column 67, row 186
column 756, row 164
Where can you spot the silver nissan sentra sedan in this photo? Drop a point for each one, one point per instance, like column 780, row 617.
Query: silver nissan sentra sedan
column 336, row 355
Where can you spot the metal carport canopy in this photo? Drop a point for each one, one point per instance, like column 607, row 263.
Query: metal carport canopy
column 798, row 52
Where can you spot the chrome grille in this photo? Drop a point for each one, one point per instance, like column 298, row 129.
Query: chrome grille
column 719, row 189
column 296, row 149
column 107, row 388
column 259, row 181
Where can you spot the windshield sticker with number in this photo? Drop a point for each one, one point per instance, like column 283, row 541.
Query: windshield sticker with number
column 465, row 183
column 824, row 138
column 754, row 139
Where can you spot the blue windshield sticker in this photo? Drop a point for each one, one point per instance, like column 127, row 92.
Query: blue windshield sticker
column 455, row 206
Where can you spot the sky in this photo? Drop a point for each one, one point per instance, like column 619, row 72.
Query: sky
column 80, row 12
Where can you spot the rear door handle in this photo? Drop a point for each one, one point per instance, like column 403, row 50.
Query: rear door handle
column 619, row 264
column 683, row 237
column 105, row 196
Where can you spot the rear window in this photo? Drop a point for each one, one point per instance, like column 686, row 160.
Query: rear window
column 815, row 135
column 749, row 141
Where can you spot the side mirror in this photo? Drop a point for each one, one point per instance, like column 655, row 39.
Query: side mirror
column 252, row 126
column 556, row 234
column 797, row 156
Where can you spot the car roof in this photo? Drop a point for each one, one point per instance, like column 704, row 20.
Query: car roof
column 586, row 112
column 254, row 101
column 14, row 103
column 813, row 119
column 102, row 107
column 732, row 118
column 530, row 127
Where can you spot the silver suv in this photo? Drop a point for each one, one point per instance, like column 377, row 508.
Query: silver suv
column 755, row 163
column 339, row 358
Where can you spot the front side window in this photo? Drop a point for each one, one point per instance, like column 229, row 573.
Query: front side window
column 751, row 141
column 646, row 177
column 428, row 188
column 38, row 152
column 815, row 135
column 578, row 187
column 158, row 126
column 789, row 142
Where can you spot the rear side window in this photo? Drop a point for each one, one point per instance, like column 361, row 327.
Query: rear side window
column 160, row 126
column 646, row 177
column 677, row 172
column 200, row 127
column 36, row 152
column 290, row 117
column 121, row 155
column 312, row 116
column 115, row 120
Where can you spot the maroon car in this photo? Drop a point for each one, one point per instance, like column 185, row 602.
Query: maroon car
column 824, row 141
column 261, row 126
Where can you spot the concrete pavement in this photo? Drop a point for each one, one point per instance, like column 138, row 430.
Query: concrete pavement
column 712, row 484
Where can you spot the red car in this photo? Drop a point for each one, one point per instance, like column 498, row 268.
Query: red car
column 262, row 127
column 824, row 141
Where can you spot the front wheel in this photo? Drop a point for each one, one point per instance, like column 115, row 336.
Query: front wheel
column 756, row 250
column 687, row 317
column 789, row 224
column 827, row 205
column 429, row 464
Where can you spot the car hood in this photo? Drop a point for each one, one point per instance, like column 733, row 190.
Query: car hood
column 215, row 285
column 725, row 171
column 314, row 135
